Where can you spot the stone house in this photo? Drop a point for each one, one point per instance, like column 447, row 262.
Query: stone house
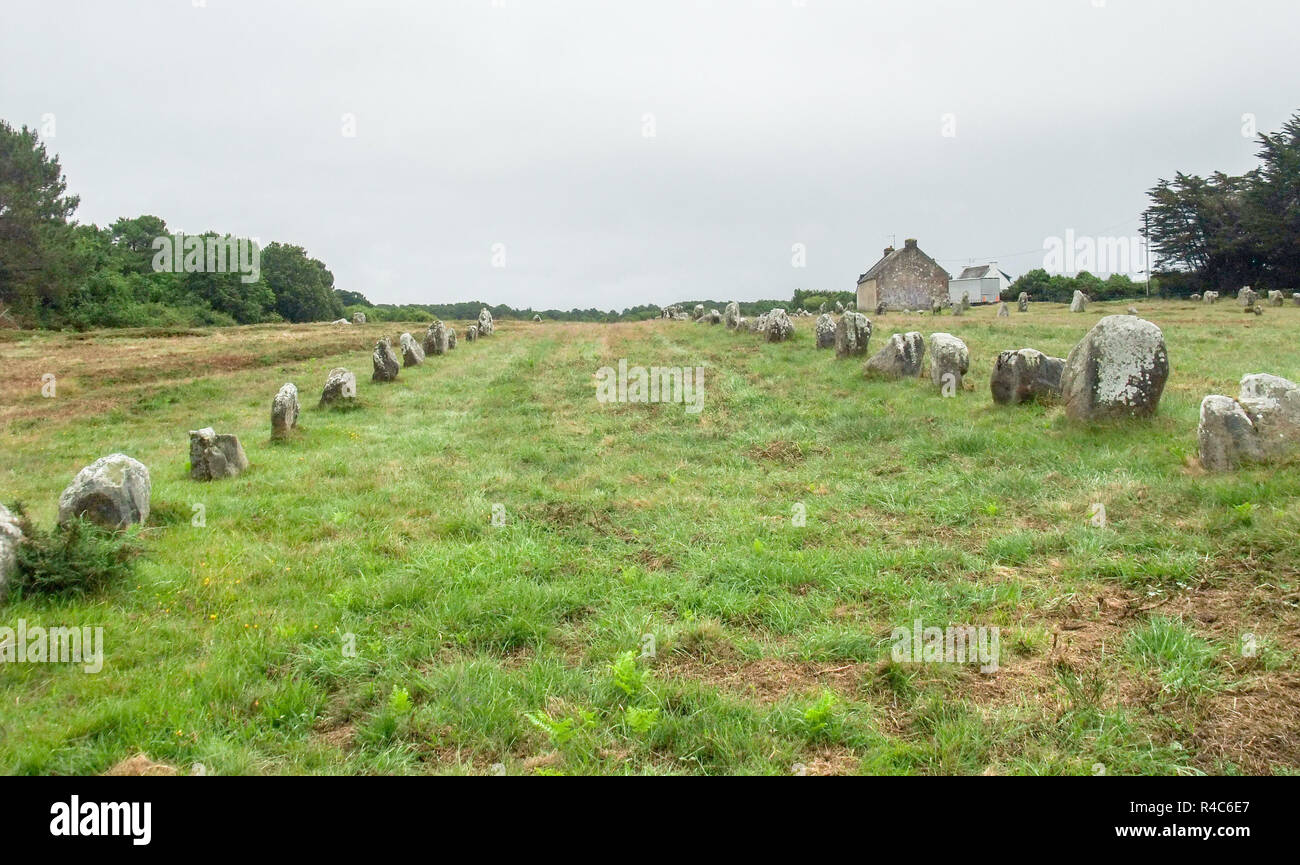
column 904, row 278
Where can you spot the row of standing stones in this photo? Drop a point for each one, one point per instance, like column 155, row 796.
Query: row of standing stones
column 114, row 491
column 1116, row 372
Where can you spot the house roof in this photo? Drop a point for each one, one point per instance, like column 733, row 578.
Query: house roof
column 889, row 256
column 981, row 271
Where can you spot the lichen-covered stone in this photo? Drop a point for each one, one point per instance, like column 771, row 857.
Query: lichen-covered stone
column 11, row 537
column 1247, row 296
column 340, row 388
column 777, row 326
column 471, row 333
column 385, row 362
column 412, row 351
column 949, row 360
column 214, row 455
column 284, row 411
column 113, row 492
column 486, row 327
column 1023, row 301
column 731, row 315
column 1261, row 425
column 358, row 318
column 900, row 358
column 1226, row 437
column 1026, row 374
column 1275, row 298
column 825, row 330
column 436, row 341
column 1210, row 297
column 1079, row 302
column 451, row 337
column 852, row 335
column 1118, row 370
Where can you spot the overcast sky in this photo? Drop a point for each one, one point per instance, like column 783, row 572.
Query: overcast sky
column 642, row 151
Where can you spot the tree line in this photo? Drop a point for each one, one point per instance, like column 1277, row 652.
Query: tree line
column 1223, row 231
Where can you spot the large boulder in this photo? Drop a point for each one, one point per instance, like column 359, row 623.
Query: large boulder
column 956, row 307
column 385, row 361
column 1003, row 312
column 1026, row 374
column 698, row 312
column 852, row 335
column 731, row 315
column 1118, row 370
column 712, row 317
column 358, row 318
column 340, row 388
column 825, row 330
column 1079, row 302
column 214, row 455
column 451, row 337
column 1275, row 298
column 486, row 327
column 1273, row 404
column 436, row 340
column 1225, row 435
column 471, row 333
column 777, row 326
column 949, row 360
column 900, row 358
column 11, row 537
column 113, row 492
column 537, row 319
column 1023, row 301
column 284, row 411
column 1210, row 297
column 1295, row 298
column 412, row 351
column 1247, row 297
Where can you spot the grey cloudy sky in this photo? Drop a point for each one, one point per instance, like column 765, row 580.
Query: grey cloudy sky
column 523, row 123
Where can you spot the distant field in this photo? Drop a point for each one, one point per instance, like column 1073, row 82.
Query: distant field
column 478, row 645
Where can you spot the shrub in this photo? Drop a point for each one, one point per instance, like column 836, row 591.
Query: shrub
column 76, row 557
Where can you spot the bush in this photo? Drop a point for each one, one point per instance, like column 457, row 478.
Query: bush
column 75, row 558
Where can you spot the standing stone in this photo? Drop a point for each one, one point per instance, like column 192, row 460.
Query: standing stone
column 1132, row 310
column 412, row 351
column 852, row 335
column 436, row 339
column 1247, row 297
column 1295, row 298
column 1118, row 370
column 1026, row 374
column 1225, row 435
column 112, row 492
column 825, row 330
column 1275, row 298
column 949, row 359
column 537, row 319
column 1003, row 312
column 731, row 315
column 471, row 333
column 936, row 307
column 284, row 411
column 698, row 312
column 11, row 537
column 486, row 327
column 1194, row 297
column 1211, row 297
column 1023, row 301
column 215, row 456
column 957, row 308
column 340, row 388
column 358, row 318
column 880, row 308
column 712, row 317
column 965, row 301
column 778, row 327
column 839, row 308
column 451, row 337
column 385, row 361
column 900, row 358
column 1079, row 302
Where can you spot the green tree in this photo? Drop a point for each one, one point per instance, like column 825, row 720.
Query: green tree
column 38, row 261
column 303, row 287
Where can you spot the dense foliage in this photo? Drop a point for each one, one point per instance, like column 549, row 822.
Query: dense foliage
column 1223, row 232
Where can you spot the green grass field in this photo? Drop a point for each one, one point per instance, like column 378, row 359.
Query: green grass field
column 522, row 648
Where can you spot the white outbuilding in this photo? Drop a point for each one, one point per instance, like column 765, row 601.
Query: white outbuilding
column 985, row 283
